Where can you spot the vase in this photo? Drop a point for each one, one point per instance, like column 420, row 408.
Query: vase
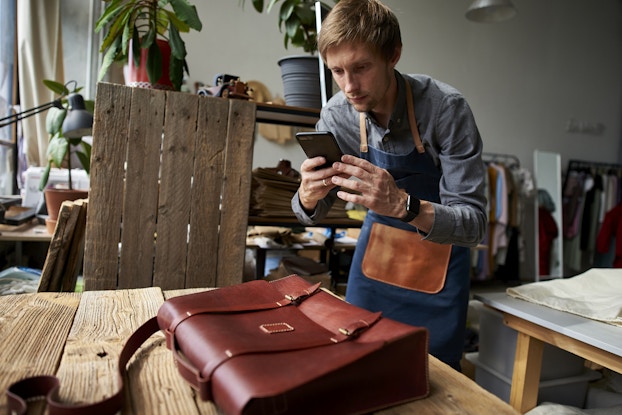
column 136, row 76
column 54, row 198
column 301, row 81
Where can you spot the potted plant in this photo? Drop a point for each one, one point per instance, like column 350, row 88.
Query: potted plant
column 156, row 28
column 300, row 73
column 59, row 147
column 298, row 18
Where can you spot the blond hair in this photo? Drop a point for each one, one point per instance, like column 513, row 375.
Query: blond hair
column 361, row 21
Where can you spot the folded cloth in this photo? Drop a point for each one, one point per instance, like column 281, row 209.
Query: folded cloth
column 595, row 294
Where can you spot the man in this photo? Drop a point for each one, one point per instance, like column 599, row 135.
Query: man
column 422, row 180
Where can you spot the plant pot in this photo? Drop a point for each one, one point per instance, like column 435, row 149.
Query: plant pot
column 137, row 76
column 301, row 81
column 54, row 198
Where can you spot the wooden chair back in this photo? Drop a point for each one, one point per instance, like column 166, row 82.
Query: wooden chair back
column 170, row 188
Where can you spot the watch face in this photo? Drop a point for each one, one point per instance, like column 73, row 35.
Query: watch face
column 413, row 205
column 412, row 208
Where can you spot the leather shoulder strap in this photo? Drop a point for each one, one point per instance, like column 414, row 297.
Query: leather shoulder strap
column 18, row 393
column 412, row 121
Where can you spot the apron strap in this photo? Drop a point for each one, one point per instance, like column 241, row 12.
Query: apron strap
column 412, row 121
column 363, row 129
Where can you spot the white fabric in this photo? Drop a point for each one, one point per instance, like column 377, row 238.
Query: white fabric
column 40, row 56
column 549, row 408
column 596, row 294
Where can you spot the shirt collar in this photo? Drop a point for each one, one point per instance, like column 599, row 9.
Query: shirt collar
column 399, row 118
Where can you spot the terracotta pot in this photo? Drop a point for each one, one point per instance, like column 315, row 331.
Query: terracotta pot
column 137, row 76
column 54, row 198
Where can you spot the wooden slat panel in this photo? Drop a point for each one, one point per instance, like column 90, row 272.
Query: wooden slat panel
column 141, row 188
column 204, row 185
column 175, row 188
column 110, row 131
column 44, row 319
column 236, row 192
column 207, row 186
column 64, row 258
column 75, row 256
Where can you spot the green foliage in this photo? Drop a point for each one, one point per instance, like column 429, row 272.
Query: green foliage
column 59, row 146
column 297, row 17
column 144, row 21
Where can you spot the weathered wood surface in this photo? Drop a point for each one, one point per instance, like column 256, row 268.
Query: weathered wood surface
column 452, row 393
column 170, row 185
column 79, row 338
column 33, row 330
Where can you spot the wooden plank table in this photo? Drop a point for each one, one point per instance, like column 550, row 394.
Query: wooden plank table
column 593, row 340
column 78, row 338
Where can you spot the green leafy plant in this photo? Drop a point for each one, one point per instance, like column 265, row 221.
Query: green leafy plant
column 298, row 19
column 142, row 22
column 59, row 146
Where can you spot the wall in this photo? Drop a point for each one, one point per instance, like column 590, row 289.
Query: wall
column 549, row 80
column 526, row 79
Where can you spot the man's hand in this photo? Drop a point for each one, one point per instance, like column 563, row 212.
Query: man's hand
column 374, row 187
column 315, row 184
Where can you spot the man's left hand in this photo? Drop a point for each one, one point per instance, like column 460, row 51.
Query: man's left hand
column 372, row 186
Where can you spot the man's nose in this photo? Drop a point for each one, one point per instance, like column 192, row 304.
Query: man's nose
column 350, row 84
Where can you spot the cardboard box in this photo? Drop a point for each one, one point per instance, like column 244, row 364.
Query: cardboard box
column 565, row 391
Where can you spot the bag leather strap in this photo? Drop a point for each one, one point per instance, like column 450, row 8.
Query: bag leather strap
column 48, row 386
column 287, row 299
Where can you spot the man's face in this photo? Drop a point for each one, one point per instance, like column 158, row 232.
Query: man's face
column 362, row 74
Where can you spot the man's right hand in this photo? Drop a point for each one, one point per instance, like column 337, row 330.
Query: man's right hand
column 315, row 184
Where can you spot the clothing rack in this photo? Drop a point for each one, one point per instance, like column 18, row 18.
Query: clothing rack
column 584, row 164
column 509, row 159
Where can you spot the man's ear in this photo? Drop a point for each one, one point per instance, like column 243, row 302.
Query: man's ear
column 396, row 57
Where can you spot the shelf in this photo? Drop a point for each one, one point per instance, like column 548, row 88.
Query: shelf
column 286, row 115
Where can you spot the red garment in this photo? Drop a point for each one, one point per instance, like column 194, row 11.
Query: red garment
column 547, row 232
column 611, row 228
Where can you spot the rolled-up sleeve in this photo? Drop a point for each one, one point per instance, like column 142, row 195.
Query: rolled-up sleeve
column 461, row 216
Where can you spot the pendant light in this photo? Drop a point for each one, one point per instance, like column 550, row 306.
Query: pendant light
column 491, row 11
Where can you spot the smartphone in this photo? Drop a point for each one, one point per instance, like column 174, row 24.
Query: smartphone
column 320, row 143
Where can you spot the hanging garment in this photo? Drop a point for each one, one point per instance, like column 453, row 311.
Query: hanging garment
column 547, row 233
column 611, row 228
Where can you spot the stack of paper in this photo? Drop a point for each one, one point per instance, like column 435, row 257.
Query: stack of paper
column 272, row 193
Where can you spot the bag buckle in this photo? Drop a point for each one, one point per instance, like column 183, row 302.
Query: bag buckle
column 296, row 298
column 355, row 328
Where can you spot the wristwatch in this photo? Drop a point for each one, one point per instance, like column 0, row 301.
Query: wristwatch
column 412, row 208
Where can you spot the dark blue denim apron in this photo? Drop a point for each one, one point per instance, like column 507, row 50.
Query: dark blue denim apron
column 442, row 313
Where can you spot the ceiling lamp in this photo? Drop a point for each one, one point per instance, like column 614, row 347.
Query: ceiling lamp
column 491, row 11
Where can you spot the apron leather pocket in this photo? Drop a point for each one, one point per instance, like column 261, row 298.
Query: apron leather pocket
column 402, row 258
